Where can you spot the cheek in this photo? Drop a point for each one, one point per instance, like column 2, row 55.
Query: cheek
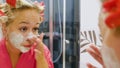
column 15, row 38
column 112, row 41
column 10, row 30
column 109, row 39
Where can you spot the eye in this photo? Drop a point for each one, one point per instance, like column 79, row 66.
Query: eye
column 35, row 29
column 23, row 29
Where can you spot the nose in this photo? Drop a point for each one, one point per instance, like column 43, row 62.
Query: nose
column 31, row 37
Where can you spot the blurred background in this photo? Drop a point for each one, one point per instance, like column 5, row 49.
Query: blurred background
column 61, row 34
column 54, row 41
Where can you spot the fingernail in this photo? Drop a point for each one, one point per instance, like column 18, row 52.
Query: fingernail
column 38, row 36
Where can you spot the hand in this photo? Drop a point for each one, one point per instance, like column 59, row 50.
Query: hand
column 90, row 65
column 95, row 53
column 39, row 52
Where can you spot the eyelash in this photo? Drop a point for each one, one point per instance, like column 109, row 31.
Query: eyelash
column 23, row 29
column 36, row 29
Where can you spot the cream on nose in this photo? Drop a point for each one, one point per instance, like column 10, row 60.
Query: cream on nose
column 31, row 35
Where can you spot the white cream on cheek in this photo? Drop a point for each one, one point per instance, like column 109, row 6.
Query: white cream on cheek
column 109, row 57
column 16, row 40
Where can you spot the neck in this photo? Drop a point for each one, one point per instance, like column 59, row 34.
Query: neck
column 14, row 54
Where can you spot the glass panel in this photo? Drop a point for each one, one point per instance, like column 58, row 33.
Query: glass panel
column 72, row 31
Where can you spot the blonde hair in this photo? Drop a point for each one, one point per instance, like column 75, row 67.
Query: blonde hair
column 8, row 10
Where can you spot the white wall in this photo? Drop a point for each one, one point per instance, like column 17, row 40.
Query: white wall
column 89, row 11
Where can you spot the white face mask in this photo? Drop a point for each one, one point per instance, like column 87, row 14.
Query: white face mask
column 31, row 35
column 16, row 40
column 109, row 57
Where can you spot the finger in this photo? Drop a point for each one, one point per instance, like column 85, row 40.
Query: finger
column 37, row 51
column 31, row 40
column 41, row 36
column 39, row 44
column 90, row 65
column 37, row 41
column 97, row 57
column 95, row 49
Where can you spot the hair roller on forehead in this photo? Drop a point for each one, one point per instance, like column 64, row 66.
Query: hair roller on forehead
column 113, row 9
column 6, row 9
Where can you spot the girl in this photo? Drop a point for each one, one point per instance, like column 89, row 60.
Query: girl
column 21, row 46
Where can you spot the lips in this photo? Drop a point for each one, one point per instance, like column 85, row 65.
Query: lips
column 28, row 46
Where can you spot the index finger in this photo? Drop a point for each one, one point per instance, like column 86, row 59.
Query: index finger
column 94, row 48
column 41, row 36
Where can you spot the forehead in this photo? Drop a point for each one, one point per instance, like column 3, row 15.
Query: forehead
column 29, row 15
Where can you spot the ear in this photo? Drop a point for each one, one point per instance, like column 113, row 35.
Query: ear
column 4, row 29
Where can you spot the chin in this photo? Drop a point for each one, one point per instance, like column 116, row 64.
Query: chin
column 24, row 49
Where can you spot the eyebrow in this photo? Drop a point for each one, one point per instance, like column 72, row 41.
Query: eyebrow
column 25, row 22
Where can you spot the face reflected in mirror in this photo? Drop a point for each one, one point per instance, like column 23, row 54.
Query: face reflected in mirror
column 111, row 43
column 25, row 26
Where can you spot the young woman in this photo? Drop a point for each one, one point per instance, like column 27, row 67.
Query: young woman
column 109, row 24
column 22, row 46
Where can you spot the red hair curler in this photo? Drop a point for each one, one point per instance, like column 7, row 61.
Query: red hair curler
column 113, row 8
column 11, row 2
column 1, row 13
